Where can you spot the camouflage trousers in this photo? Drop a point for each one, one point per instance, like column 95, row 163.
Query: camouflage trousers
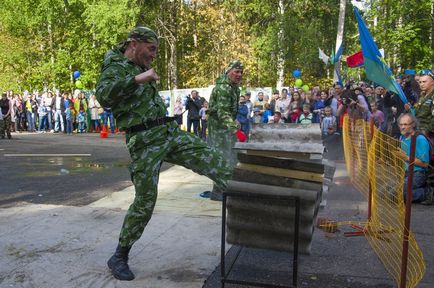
column 148, row 149
column 5, row 126
column 222, row 140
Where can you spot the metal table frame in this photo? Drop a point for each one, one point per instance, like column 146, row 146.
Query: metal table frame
column 224, row 275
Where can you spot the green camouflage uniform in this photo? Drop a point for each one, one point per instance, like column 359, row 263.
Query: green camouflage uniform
column 223, row 108
column 424, row 109
column 425, row 113
column 133, row 104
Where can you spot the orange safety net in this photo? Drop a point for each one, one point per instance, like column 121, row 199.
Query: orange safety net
column 373, row 163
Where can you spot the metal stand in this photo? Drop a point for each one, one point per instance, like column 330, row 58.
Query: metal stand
column 224, row 275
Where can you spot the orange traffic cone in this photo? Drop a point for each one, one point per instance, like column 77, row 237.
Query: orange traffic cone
column 103, row 133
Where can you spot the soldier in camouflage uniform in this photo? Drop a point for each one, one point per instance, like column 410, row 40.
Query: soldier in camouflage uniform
column 128, row 85
column 5, row 122
column 223, row 108
column 424, row 109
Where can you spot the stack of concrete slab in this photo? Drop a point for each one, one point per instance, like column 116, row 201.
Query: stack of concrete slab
column 279, row 160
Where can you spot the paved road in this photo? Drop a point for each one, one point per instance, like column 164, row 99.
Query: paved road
column 62, row 180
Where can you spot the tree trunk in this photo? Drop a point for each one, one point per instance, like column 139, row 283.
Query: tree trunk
column 280, row 53
column 432, row 34
column 340, row 36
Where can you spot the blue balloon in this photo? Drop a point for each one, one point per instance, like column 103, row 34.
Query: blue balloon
column 76, row 74
column 296, row 73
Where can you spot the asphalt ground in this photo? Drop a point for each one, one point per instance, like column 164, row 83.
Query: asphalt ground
column 62, row 180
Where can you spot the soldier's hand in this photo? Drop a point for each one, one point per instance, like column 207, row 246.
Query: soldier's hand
column 147, row 76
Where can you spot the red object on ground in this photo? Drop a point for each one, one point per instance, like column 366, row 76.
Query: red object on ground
column 103, row 133
column 241, row 136
column 355, row 60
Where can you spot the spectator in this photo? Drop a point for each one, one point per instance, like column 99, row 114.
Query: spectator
column 42, row 112
column 260, row 102
column 295, row 107
column 282, row 104
column 31, row 110
column 48, row 103
column 257, row 118
column 177, row 111
column 328, row 123
column 274, row 99
column 380, row 93
column 392, row 124
column 306, row 116
column 377, row 116
column 81, row 118
column 20, row 114
column 108, row 116
column 69, row 113
column 267, row 114
column 249, row 104
column 203, row 113
column 194, row 104
column 318, row 107
column 277, row 118
column 94, row 108
column 59, row 112
column 408, row 125
column 243, row 116
column 80, row 107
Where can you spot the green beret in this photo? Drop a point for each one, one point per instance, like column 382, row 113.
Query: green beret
column 235, row 64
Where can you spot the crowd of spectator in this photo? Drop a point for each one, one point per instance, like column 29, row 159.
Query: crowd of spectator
column 53, row 112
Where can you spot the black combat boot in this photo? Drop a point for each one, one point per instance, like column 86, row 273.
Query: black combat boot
column 118, row 264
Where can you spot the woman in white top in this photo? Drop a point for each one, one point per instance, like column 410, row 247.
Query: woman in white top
column 94, row 108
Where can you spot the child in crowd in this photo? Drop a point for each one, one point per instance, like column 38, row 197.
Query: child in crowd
column 328, row 123
column 243, row 116
column 306, row 116
column 68, row 115
column 277, row 118
column 42, row 112
column 81, row 121
column 268, row 113
column 203, row 114
column 256, row 116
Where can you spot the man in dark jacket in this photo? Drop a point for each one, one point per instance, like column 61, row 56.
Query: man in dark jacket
column 194, row 104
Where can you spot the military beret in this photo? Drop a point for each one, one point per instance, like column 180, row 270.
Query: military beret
column 428, row 72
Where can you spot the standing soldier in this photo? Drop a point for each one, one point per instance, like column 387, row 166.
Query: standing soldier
column 127, row 84
column 223, row 109
column 6, row 107
column 424, row 106
column 425, row 115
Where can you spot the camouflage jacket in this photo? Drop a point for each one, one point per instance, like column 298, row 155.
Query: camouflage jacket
column 223, row 104
column 425, row 113
column 131, row 103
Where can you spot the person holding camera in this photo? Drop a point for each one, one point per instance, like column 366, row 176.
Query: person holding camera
column 194, row 104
